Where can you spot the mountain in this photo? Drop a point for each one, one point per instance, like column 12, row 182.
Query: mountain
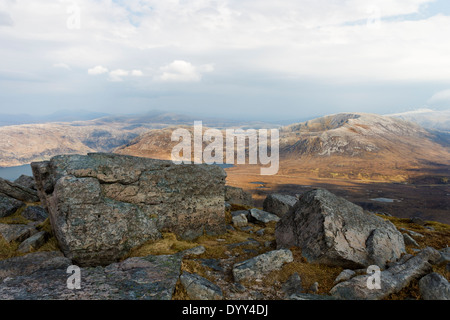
column 349, row 145
column 427, row 118
column 25, row 143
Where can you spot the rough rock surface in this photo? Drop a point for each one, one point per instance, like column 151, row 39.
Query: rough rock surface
column 33, row 243
column 146, row 278
column 409, row 240
column 239, row 220
column 199, row 288
column 35, row 213
column 333, row 231
column 434, row 287
column 102, row 205
column 25, row 265
column 236, row 195
column 293, row 285
column 17, row 191
column 258, row 266
column 16, row 232
column 392, row 280
column 26, row 181
column 345, row 275
column 279, row 204
column 9, row 206
column 261, row 216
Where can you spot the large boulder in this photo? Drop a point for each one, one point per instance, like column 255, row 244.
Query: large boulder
column 392, row 280
column 279, row 204
column 333, row 231
column 102, row 205
column 236, row 195
column 17, row 191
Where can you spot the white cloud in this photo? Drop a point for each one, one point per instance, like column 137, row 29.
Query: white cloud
column 97, row 70
column 441, row 96
column 183, row 71
column 117, row 75
column 137, row 73
column 61, row 66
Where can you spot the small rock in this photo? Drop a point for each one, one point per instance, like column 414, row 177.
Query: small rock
column 418, row 220
column 35, row 213
column 195, row 251
column 269, row 244
column 293, row 285
column 9, row 206
column 199, row 288
column 239, row 220
column 16, row 232
column 230, row 228
column 434, row 287
column 409, row 240
column 429, row 228
column 33, row 243
column 260, row 232
column 314, row 287
column 212, row 263
column 345, row 275
column 258, row 266
column 261, row 216
column 247, row 229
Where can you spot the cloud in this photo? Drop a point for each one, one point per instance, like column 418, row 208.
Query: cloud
column 137, row 73
column 5, row 19
column 117, row 75
column 441, row 96
column 183, row 71
column 97, row 70
column 61, row 65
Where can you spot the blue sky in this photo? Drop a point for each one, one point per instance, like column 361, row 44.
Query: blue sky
column 266, row 60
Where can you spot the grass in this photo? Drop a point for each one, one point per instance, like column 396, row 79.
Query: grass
column 9, row 250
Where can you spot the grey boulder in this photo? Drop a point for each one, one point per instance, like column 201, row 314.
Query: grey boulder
column 103, row 205
column 9, row 206
column 333, row 231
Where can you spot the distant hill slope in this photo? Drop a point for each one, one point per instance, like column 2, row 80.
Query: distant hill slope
column 347, row 145
column 22, row 144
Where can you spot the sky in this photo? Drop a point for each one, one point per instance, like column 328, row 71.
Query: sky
column 243, row 59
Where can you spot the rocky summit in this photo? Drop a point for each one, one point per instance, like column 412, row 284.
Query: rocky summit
column 103, row 205
column 333, row 231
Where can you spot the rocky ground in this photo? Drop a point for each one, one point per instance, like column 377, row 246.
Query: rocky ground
column 318, row 246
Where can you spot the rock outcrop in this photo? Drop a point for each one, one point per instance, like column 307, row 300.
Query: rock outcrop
column 392, row 280
column 146, row 278
column 333, row 231
column 279, row 204
column 17, row 191
column 26, row 181
column 102, row 205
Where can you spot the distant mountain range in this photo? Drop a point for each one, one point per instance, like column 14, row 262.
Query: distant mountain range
column 347, row 145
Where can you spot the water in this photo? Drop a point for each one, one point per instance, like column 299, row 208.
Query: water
column 12, row 173
column 387, row 200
